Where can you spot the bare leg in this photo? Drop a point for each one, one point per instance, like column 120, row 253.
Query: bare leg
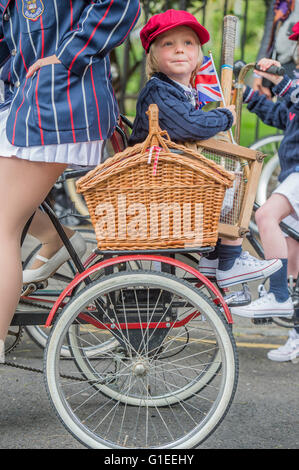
column 23, row 187
column 42, row 228
column 268, row 217
column 293, row 257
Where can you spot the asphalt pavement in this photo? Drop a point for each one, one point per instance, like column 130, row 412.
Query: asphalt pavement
column 263, row 415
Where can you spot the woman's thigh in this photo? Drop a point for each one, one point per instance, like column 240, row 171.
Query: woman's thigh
column 23, row 187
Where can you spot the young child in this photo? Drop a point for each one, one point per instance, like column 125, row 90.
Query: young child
column 284, row 201
column 172, row 41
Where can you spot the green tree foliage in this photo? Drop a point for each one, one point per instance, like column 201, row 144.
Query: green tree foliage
column 153, row 7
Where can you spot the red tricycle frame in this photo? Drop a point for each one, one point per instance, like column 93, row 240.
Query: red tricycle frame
column 80, row 277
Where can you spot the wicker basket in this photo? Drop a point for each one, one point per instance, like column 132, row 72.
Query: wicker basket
column 155, row 195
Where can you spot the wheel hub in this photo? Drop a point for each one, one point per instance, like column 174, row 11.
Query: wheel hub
column 140, row 369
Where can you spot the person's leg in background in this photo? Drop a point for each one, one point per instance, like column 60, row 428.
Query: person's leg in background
column 52, row 253
column 230, row 265
column 290, row 350
column 277, row 301
column 43, row 230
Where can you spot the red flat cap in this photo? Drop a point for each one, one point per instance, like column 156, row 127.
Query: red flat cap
column 163, row 22
column 295, row 35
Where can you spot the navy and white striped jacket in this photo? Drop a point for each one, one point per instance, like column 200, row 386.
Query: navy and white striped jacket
column 72, row 101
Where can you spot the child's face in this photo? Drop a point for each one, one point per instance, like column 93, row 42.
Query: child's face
column 177, row 53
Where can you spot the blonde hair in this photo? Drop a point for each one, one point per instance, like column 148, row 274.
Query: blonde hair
column 151, row 65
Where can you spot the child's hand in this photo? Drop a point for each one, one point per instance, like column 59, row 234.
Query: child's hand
column 41, row 63
column 264, row 64
column 232, row 109
column 258, row 86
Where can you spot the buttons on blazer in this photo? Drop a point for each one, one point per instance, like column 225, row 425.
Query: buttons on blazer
column 6, row 16
column 14, row 52
column 17, row 84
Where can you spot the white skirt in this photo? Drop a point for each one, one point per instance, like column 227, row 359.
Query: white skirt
column 289, row 189
column 74, row 155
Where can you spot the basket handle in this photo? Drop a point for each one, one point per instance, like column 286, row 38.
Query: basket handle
column 153, row 119
column 155, row 136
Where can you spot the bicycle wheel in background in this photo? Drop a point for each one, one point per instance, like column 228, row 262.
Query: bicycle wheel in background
column 269, row 176
column 147, row 392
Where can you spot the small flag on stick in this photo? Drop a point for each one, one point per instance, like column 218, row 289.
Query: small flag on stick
column 208, row 86
column 207, row 83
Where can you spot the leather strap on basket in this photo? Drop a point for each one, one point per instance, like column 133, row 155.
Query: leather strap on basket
column 157, row 151
column 155, row 135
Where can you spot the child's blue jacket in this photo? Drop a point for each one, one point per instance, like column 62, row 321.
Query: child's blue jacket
column 72, row 101
column 284, row 115
column 177, row 115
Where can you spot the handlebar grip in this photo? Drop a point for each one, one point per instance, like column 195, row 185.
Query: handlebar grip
column 273, row 69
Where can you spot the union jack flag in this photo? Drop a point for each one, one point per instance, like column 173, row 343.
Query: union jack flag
column 206, row 83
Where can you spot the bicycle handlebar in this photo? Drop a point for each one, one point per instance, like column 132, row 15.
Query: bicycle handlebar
column 273, row 69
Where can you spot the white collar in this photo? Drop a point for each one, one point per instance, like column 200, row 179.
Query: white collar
column 186, row 88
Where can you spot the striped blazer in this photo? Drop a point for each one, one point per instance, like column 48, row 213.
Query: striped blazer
column 72, row 101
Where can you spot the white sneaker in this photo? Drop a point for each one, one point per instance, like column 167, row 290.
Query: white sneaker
column 51, row 265
column 265, row 307
column 289, row 351
column 247, row 268
column 2, row 352
column 208, row 267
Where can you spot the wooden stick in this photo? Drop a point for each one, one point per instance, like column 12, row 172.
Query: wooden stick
column 227, row 67
column 227, row 60
column 222, row 95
